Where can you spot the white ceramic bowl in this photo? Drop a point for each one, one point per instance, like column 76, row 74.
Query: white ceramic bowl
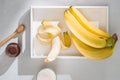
column 46, row 74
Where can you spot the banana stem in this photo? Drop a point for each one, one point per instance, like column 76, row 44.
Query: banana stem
column 115, row 37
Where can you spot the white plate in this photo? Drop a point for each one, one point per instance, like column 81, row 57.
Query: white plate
column 96, row 14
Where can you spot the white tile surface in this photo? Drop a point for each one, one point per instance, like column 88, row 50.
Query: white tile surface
column 12, row 73
column 14, row 70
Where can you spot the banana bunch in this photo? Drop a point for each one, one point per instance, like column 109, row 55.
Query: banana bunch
column 89, row 40
column 49, row 33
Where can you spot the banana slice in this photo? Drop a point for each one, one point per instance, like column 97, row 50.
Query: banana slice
column 55, row 50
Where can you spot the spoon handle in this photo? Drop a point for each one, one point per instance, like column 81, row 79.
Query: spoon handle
column 7, row 39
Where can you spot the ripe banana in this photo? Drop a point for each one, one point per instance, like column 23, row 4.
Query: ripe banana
column 90, row 52
column 84, row 35
column 88, row 25
column 55, row 50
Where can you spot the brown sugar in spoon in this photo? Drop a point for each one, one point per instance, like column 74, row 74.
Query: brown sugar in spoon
column 20, row 29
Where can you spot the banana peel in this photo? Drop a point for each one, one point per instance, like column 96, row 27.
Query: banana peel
column 50, row 34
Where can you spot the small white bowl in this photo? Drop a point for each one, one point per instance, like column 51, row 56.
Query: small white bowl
column 46, row 74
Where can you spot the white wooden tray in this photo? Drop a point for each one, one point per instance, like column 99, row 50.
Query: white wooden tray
column 96, row 14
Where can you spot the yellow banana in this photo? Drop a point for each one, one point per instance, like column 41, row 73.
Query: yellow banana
column 55, row 50
column 83, row 34
column 90, row 52
column 88, row 25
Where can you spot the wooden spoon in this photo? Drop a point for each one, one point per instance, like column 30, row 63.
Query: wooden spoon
column 20, row 29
